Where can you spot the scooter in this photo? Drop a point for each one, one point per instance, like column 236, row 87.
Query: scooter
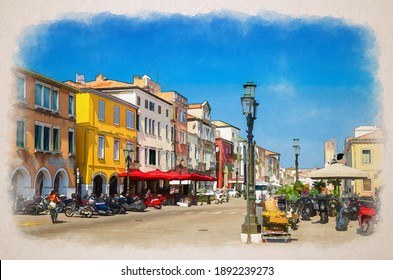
column 219, row 198
column 25, row 206
column 342, row 219
column 353, row 208
column 321, row 205
column 153, row 202
column 114, row 205
column 306, row 207
column 333, row 205
column 76, row 207
column 367, row 215
column 136, row 205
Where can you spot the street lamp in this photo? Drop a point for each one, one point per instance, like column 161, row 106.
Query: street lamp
column 237, row 178
column 128, row 155
column 250, row 105
column 296, row 149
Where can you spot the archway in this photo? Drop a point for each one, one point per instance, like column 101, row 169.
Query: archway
column 61, row 182
column 113, row 182
column 43, row 182
column 21, row 183
column 99, row 184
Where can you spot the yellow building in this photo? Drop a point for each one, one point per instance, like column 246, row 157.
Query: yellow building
column 105, row 124
column 364, row 152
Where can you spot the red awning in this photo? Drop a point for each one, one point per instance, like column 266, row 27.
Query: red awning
column 158, row 175
column 135, row 175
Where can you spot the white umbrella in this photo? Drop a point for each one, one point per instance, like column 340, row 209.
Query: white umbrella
column 338, row 171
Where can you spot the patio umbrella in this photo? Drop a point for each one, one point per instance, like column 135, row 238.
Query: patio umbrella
column 158, row 175
column 338, row 171
column 135, row 175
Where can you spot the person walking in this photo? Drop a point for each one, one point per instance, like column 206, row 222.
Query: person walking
column 54, row 206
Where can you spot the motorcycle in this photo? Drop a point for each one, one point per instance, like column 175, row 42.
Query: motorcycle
column 115, row 205
column 306, row 207
column 353, row 208
column 99, row 207
column 153, row 202
column 25, row 206
column 219, row 198
column 367, row 215
column 342, row 218
column 321, row 205
column 76, row 207
column 135, row 205
column 333, row 205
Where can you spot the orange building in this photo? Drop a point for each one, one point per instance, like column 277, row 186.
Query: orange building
column 44, row 138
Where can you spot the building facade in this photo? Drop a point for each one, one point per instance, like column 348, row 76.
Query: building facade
column 45, row 154
column 364, row 152
column 199, row 124
column 105, row 125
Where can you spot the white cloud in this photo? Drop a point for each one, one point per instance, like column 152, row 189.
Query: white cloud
column 284, row 89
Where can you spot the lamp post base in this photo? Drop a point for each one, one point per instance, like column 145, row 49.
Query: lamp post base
column 254, row 238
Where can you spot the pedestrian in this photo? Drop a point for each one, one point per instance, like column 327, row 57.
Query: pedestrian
column 54, row 206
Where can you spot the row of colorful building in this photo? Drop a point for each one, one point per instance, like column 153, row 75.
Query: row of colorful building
column 70, row 137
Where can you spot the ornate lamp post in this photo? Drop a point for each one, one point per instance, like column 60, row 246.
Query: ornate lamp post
column 237, row 179
column 296, row 149
column 250, row 106
column 128, row 155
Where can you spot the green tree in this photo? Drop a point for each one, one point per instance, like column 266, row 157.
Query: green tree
column 336, row 183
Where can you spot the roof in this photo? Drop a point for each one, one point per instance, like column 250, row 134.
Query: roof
column 219, row 124
column 374, row 135
column 44, row 78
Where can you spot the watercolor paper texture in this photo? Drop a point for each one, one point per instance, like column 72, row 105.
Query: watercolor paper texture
column 321, row 70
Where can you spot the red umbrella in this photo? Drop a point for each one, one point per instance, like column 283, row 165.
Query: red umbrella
column 173, row 174
column 135, row 175
column 158, row 175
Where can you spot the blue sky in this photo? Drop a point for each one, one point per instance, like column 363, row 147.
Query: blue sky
column 315, row 76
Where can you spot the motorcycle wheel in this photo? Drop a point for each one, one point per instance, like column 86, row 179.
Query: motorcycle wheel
column 88, row 213
column 366, row 227
column 68, row 212
column 158, row 206
column 32, row 210
column 305, row 214
column 324, row 218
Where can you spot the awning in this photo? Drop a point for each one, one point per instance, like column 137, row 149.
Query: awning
column 338, row 171
column 135, row 175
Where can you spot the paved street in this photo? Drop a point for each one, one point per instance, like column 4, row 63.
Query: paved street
column 197, row 228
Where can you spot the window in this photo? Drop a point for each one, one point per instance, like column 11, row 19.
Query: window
column 146, row 125
column 130, row 119
column 159, row 158
column 116, row 115
column 138, row 154
column 167, row 113
column 71, row 105
column 138, row 127
column 366, row 156
column 367, row 185
column 21, row 88
column 153, row 127
column 182, row 138
column 20, row 134
column 42, row 137
column 159, row 109
column 159, row 129
column 55, row 100
column 152, row 157
column 56, row 139
column 42, row 96
column 146, row 155
column 101, row 150
column 71, row 141
column 151, row 106
column 146, row 104
column 167, row 159
column 167, row 132
column 138, row 100
column 183, row 116
column 116, row 149
column 46, row 97
column 101, row 110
